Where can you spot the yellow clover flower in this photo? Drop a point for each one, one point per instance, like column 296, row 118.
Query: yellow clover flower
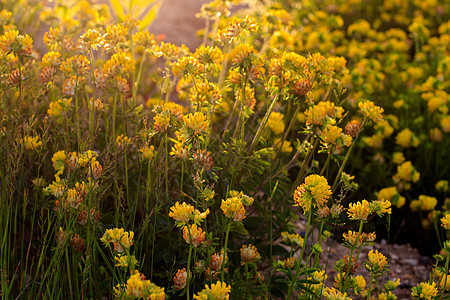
column 314, row 191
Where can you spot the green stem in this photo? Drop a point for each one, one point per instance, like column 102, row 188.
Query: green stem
column 346, row 277
column 225, row 251
column 370, row 286
column 297, row 267
column 445, row 276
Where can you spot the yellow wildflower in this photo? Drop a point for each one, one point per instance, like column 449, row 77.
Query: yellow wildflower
column 376, row 262
column 276, row 122
column 233, row 208
column 219, row 291
column 314, row 191
column 125, row 261
column 398, row 157
column 406, row 139
column 12, row 41
column 243, row 54
column 51, row 59
column 424, row 291
column 181, row 213
column 334, row 294
column 370, row 110
column 147, row 152
column 196, row 122
column 359, row 210
column 446, row 222
column 406, row 172
column 187, row 66
column 293, row 239
column 391, row 193
column 119, row 237
column 31, row 142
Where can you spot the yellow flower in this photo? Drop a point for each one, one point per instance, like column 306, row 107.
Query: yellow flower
column 276, row 122
column 249, row 253
column 398, row 157
column 424, row 203
column 334, row 294
column 391, row 193
column 119, row 237
column 115, row 35
column 233, row 208
column 318, row 114
column 442, row 186
column 445, row 124
column 380, row 207
column 209, row 55
column 293, row 239
column 197, row 235
column 59, row 160
column 333, row 135
column 122, row 140
column 446, row 222
column 76, row 65
column 125, row 261
column 51, row 59
column 286, row 147
column 147, row 152
column 12, row 41
column 406, row 172
column 314, row 191
column 424, row 291
column 92, row 39
column 217, row 291
column 187, row 66
column 31, row 142
column 138, row 287
column 359, row 210
column 196, row 122
column 181, row 213
column 370, row 110
column 406, row 139
column 375, row 262
column 120, row 63
column 243, row 54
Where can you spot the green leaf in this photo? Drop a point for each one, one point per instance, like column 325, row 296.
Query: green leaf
column 150, row 16
column 118, row 9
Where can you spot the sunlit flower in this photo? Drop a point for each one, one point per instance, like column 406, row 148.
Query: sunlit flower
column 181, row 213
column 14, row 42
column 196, row 122
column 370, row 110
column 314, row 191
column 138, row 287
column 359, row 210
column 424, row 291
column 51, row 59
column 243, row 54
column 233, row 208
column 147, row 152
column 276, row 122
column 334, row 294
column 187, row 66
column 376, row 262
column 217, row 291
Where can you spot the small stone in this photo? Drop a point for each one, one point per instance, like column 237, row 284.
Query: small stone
column 410, row 261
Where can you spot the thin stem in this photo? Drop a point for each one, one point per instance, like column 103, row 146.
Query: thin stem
column 297, row 267
column 225, row 251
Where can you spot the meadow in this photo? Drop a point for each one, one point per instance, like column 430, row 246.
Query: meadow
column 135, row 168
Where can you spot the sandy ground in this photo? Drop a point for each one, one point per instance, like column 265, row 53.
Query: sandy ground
column 176, row 20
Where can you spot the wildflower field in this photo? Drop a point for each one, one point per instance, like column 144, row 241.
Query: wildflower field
column 135, row 168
